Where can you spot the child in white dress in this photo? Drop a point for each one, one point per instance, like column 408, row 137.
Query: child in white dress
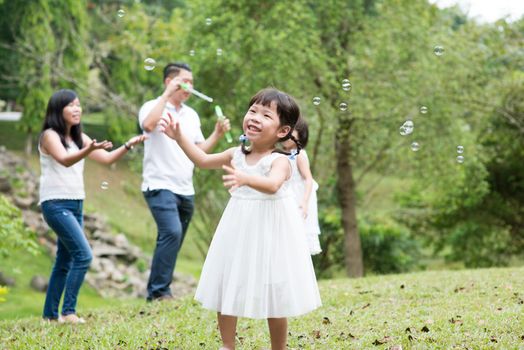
column 303, row 185
column 258, row 264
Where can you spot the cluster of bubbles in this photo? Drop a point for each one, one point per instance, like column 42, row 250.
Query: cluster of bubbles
column 460, row 157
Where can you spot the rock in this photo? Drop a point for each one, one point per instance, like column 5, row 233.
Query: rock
column 5, row 185
column 121, row 241
column 36, row 223
column 6, row 280
column 39, row 283
column 101, row 249
column 23, row 202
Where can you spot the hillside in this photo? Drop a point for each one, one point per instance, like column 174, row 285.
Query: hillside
column 468, row 309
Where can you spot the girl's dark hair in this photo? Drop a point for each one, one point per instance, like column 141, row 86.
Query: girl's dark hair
column 287, row 110
column 302, row 131
column 54, row 117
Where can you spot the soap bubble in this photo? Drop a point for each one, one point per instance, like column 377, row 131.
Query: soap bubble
column 316, row 100
column 121, row 13
column 415, row 146
column 209, row 21
column 104, row 185
column 460, row 159
column 219, row 52
column 438, row 50
column 191, row 52
column 346, row 85
column 343, row 106
column 460, row 149
column 149, row 63
column 423, row 109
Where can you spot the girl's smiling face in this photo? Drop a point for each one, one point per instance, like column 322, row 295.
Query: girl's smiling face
column 262, row 124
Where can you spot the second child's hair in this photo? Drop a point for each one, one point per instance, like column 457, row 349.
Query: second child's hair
column 173, row 69
column 54, row 117
column 287, row 110
column 302, row 131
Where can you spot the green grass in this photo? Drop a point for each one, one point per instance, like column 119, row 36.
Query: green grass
column 469, row 309
column 23, row 301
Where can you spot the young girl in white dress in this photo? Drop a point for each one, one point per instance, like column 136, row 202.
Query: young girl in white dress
column 258, row 264
column 303, row 185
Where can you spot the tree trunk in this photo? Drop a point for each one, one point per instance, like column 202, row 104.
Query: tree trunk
column 347, row 200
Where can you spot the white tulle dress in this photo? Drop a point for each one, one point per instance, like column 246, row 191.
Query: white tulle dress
column 298, row 187
column 258, row 264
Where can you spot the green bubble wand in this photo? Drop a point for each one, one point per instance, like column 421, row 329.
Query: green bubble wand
column 218, row 110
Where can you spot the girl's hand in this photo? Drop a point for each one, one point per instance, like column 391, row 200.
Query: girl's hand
column 304, row 207
column 136, row 140
column 234, row 178
column 170, row 127
column 222, row 126
column 100, row 145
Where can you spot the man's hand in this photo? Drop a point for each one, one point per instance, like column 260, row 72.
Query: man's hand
column 172, row 86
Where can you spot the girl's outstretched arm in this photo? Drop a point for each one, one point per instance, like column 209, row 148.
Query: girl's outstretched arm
column 280, row 172
column 105, row 157
column 200, row 158
column 305, row 172
column 50, row 143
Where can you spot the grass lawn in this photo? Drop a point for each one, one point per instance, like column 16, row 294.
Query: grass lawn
column 468, row 309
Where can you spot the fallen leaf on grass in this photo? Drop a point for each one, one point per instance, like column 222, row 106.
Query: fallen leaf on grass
column 326, row 320
column 382, row 341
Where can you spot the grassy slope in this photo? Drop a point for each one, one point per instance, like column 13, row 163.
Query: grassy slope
column 473, row 309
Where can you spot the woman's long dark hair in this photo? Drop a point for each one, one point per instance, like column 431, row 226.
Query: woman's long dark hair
column 287, row 110
column 54, row 117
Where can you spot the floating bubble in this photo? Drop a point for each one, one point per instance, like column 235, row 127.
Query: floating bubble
column 104, row 185
column 346, row 85
column 343, row 106
column 438, row 50
column 407, row 128
column 149, row 63
column 121, row 13
column 191, row 52
column 219, row 52
column 208, row 21
column 460, row 159
column 415, row 146
column 423, row 109
column 316, row 100
column 460, row 149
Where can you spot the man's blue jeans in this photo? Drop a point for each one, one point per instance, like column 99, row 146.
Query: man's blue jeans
column 73, row 255
column 172, row 213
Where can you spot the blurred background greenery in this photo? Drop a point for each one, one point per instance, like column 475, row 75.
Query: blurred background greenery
column 385, row 204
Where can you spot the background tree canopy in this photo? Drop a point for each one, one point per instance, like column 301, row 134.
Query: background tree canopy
column 471, row 212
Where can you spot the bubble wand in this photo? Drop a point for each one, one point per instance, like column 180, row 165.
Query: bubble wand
column 188, row 88
column 221, row 117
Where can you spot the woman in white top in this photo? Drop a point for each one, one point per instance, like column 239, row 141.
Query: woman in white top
column 63, row 147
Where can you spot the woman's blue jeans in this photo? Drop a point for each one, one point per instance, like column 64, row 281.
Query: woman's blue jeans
column 73, row 255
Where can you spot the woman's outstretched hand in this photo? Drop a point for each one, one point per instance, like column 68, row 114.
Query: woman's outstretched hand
column 170, row 127
column 136, row 140
column 100, row 145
